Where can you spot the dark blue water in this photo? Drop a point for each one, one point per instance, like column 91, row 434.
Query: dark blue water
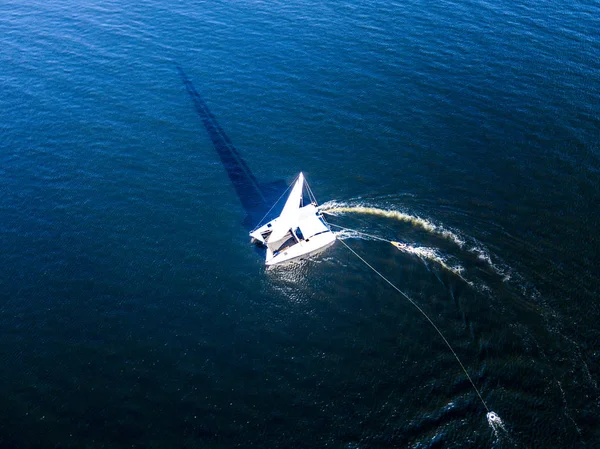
column 135, row 313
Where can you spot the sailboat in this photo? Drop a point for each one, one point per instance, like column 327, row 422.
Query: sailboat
column 299, row 231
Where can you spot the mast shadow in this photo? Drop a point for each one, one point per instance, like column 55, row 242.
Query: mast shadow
column 256, row 198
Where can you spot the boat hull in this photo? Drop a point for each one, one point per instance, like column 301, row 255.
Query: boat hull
column 302, row 249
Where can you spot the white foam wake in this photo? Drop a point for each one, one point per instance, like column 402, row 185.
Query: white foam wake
column 422, row 252
column 499, row 429
column 340, row 208
column 345, row 234
column 482, row 254
column 425, row 253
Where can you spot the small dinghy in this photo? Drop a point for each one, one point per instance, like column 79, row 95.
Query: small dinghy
column 298, row 232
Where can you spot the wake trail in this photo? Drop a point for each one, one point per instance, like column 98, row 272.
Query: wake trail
column 499, row 429
column 422, row 252
column 425, row 253
column 336, row 208
column 494, row 421
column 478, row 251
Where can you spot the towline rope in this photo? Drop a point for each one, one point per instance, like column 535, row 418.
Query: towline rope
column 490, row 415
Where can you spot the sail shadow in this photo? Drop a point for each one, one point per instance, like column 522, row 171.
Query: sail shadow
column 256, row 198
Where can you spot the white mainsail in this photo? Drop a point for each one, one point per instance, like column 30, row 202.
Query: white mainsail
column 294, row 201
column 289, row 214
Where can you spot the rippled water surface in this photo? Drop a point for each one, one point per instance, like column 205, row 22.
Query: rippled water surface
column 135, row 139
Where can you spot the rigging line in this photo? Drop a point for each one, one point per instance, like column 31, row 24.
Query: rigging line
column 269, row 211
column 311, row 195
column 428, row 319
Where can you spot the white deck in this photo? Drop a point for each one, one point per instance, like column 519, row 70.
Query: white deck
column 302, row 249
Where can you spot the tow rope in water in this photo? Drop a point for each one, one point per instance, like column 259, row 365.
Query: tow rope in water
column 492, row 418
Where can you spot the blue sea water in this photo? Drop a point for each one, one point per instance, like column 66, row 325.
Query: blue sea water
column 135, row 313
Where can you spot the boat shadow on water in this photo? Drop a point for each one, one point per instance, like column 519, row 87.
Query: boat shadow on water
column 256, row 198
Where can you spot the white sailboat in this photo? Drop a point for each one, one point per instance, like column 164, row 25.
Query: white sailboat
column 298, row 232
